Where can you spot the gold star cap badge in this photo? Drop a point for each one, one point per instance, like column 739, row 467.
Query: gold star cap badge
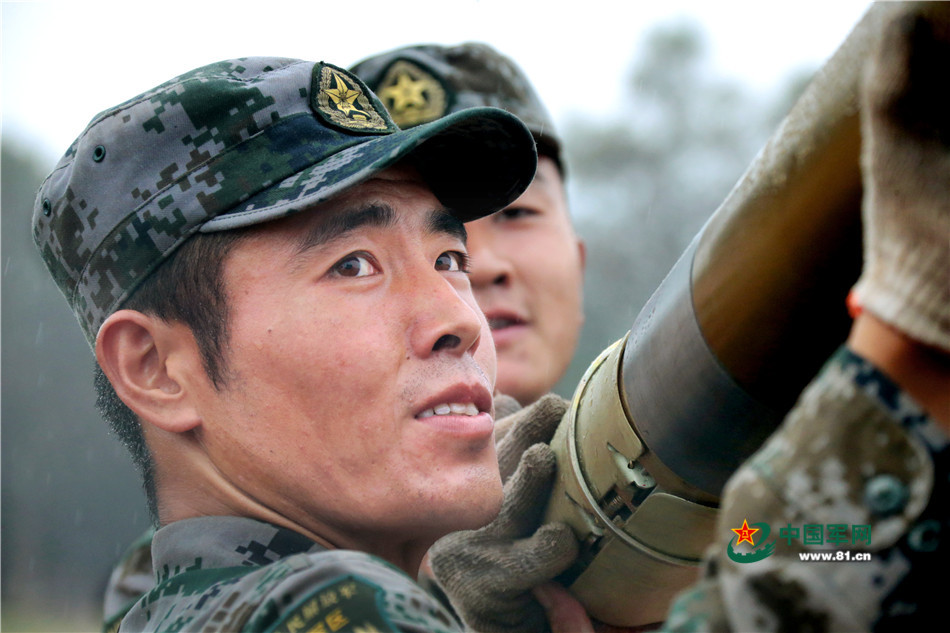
column 411, row 94
column 344, row 101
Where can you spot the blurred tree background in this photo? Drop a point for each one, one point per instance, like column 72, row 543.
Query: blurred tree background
column 641, row 184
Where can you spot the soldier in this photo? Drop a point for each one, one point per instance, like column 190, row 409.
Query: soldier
column 864, row 453
column 527, row 261
column 273, row 278
column 868, row 445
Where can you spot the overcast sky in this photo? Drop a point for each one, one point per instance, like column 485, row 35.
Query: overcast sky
column 63, row 62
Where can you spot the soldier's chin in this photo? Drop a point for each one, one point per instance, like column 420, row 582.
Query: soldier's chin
column 481, row 505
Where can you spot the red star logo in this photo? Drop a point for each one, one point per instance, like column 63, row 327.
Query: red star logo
column 745, row 533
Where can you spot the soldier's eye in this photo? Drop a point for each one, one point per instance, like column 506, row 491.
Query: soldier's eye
column 514, row 213
column 355, row 265
column 452, row 261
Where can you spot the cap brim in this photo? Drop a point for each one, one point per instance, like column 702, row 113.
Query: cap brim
column 476, row 162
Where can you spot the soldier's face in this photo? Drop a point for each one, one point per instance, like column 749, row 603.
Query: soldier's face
column 359, row 404
column 527, row 274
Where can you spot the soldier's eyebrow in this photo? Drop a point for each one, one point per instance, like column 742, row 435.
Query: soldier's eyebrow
column 335, row 226
column 442, row 221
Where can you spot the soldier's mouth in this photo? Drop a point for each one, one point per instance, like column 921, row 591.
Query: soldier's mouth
column 500, row 323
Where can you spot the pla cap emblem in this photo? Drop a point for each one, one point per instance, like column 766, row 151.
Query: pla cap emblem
column 411, row 94
column 344, row 101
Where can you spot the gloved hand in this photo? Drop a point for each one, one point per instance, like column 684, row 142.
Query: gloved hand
column 505, row 406
column 526, row 427
column 905, row 117
column 489, row 573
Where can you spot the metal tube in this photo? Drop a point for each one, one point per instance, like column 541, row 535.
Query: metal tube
column 717, row 356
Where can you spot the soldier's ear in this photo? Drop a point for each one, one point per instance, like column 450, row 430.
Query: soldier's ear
column 151, row 364
column 582, row 253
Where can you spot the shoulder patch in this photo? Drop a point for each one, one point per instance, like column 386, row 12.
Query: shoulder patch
column 411, row 94
column 342, row 100
column 349, row 604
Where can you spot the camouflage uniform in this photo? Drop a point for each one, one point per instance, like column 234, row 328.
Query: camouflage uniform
column 239, row 574
column 856, row 451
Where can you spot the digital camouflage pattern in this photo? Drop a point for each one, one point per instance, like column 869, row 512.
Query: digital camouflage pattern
column 237, row 143
column 237, row 574
column 421, row 83
column 855, row 451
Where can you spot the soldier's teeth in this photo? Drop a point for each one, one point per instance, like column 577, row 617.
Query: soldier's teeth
column 455, row 408
column 464, row 409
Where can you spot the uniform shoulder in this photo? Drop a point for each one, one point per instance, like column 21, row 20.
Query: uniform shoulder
column 326, row 590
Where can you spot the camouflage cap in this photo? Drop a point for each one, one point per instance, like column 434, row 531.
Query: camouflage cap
column 421, row 83
column 241, row 142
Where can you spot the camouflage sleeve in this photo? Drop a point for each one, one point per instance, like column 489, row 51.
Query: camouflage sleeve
column 835, row 523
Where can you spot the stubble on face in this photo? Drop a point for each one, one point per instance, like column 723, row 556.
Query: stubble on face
column 317, row 423
column 528, row 278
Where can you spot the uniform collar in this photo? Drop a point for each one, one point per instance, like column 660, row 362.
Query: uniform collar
column 224, row 541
